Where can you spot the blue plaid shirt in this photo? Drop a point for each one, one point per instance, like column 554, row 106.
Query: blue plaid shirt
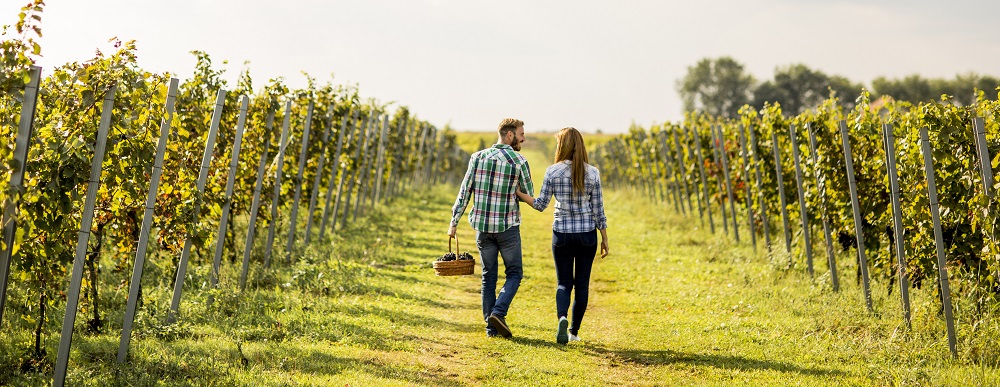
column 575, row 213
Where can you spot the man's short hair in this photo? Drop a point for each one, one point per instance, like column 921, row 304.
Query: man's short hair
column 509, row 125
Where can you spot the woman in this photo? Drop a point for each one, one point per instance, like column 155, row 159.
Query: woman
column 578, row 215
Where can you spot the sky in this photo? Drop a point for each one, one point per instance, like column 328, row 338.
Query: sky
column 593, row 65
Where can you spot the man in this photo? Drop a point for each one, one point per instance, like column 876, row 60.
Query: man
column 493, row 176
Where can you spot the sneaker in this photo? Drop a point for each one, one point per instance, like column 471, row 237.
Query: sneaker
column 561, row 334
column 573, row 337
column 500, row 324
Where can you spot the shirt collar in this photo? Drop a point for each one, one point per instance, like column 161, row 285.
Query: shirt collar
column 502, row 146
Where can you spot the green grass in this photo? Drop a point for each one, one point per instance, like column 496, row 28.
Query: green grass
column 672, row 305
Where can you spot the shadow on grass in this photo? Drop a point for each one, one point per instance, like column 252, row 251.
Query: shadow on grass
column 320, row 363
column 728, row 362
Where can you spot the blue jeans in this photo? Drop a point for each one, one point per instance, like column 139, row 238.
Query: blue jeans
column 569, row 250
column 506, row 244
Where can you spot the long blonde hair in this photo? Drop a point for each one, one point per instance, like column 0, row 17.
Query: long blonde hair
column 569, row 146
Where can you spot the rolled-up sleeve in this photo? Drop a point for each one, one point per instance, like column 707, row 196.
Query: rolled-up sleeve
column 464, row 193
column 545, row 193
column 597, row 203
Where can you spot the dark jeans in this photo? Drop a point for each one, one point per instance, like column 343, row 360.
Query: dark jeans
column 569, row 250
column 506, row 244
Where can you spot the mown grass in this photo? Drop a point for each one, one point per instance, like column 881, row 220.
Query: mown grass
column 672, row 305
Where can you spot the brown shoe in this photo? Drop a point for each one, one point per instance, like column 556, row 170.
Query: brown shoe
column 500, row 324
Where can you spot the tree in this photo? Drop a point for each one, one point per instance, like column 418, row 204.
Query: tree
column 718, row 87
column 913, row 88
column 798, row 88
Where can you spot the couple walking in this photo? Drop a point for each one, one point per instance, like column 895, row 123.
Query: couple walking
column 498, row 179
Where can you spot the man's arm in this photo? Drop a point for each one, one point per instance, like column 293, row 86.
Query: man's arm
column 524, row 177
column 464, row 196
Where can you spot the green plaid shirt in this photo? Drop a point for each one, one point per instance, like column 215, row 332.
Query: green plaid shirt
column 493, row 175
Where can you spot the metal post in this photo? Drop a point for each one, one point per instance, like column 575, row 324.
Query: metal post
column 719, row 179
column 293, row 219
column 276, row 192
column 344, row 173
column 760, row 189
column 671, row 178
column 858, row 229
column 206, row 162
column 86, row 221
column 897, row 212
column 729, row 183
column 704, row 179
column 821, row 187
column 220, row 240
column 333, row 175
column 364, row 171
column 255, row 205
column 939, row 241
column 319, row 173
column 802, row 202
column 694, row 186
column 16, row 187
column 984, row 156
column 781, row 192
column 683, row 170
column 147, row 221
column 746, row 184
column 381, row 160
column 355, row 166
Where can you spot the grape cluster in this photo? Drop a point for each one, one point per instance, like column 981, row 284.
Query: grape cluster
column 449, row 256
column 465, row 256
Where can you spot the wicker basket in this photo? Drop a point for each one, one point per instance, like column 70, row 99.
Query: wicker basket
column 456, row 267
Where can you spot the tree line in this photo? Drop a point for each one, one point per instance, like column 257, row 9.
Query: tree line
column 721, row 86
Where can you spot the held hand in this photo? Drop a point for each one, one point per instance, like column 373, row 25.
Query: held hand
column 451, row 231
column 604, row 248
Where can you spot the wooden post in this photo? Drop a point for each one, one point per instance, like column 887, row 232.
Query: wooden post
column 938, row 241
column 276, row 192
column 321, row 163
column 897, row 213
column 86, row 221
column 255, row 204
column 858, row 229
column 802, row 202
column 16, row 184
column 746, row 184
column 206, row 163
column 729, row 183
column 821, row 187
column 147, row 221
column 293, row 219
column 781, row 192
column 704, row 179
column 220, row 240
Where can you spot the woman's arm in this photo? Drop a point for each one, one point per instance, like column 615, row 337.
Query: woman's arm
column 525, row 198
column 604, row 243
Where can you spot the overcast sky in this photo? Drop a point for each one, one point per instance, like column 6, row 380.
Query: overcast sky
column 582, row 63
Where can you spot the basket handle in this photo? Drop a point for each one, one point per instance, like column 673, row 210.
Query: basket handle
column 455, row 237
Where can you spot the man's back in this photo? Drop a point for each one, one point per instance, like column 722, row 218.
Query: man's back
column 494, row 173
